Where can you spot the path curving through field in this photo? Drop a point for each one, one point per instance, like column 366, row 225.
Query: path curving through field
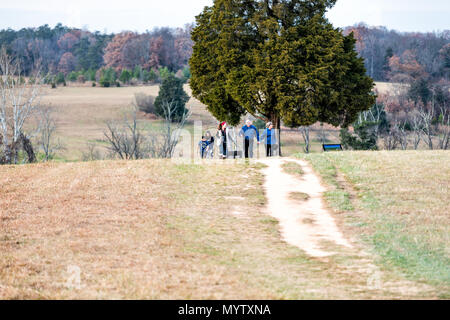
column 306, row 224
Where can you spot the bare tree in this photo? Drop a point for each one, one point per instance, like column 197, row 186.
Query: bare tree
column 443, row 127
column 390, row 138
column 47, row 128
column 426, row 114
column 125, row 139
column 18, row 102
column 92, row 153
column 403, row 135
column 416, row 122
column 305, row 134
column 171, row 130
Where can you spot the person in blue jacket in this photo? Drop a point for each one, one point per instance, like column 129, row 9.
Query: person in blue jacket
column 204, row 144
column 249, row 131
column 270, row 139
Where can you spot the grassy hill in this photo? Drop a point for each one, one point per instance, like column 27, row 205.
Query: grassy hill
column 398, row 203
column 157, row 229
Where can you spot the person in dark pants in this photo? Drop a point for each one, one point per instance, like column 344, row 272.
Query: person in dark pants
column 204, row 144
column 225, row 139
column 269, row 137
column 249, row 131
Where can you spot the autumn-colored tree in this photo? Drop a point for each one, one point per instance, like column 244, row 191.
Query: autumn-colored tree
column 68, row 41
column 67, row 63
column 114, row 50
column 136, row 52
column 405, row 68
column 183, row 45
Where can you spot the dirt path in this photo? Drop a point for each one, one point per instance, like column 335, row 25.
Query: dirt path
column 309, row 225
column 306, row 224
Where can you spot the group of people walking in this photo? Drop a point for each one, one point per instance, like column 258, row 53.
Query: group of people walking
column 227, row 143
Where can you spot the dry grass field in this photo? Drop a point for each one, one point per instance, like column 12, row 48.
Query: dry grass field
column 81, row 113
column 154, row 229
column 398, row 202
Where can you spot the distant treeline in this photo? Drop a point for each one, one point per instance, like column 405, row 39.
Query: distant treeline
column 64, row 50
column 389, row 55
column 402, row 57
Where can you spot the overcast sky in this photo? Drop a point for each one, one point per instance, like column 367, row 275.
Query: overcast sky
column 141, row 15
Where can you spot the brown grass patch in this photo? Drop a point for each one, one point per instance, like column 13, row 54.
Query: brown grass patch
column 299, row 196
column 154, row 230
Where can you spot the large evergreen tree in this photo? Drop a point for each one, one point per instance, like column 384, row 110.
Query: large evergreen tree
column 171, row 91
column 280, row 60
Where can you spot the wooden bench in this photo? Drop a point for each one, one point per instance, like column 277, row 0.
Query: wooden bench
column 332, row 147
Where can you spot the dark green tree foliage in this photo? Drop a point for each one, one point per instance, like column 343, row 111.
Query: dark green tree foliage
column 164, row 73
column 90, row 75
column 366, row 130
column 171, row 91
column 364, row 138
column 148, row 76
column 72, row 76
column 108, row 77
column 186, row 73
column 59, row 78
column 138, row 73
column 278, row 60
column 389, row 54
column 125, row 76
column 420, row 91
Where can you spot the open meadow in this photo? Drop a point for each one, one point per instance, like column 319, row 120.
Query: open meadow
column 155, row 229
column 81, row 113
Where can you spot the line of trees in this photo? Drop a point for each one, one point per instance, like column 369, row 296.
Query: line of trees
column 399, row 56
column 389, row 55
column 65, row 50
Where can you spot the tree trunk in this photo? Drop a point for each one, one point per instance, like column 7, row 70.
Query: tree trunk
column 28, row 148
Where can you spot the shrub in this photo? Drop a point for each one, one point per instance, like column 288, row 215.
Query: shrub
column 107, row 77
column 137, row 73
column 104, row 82
column 94, row 84
column 59, row 79
column 164, row 73
column 149, row 76
column 145, row 103
column 90, row 75
column 72, row 77
column 365, row 137
column 125, row 76
column 186, row 73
